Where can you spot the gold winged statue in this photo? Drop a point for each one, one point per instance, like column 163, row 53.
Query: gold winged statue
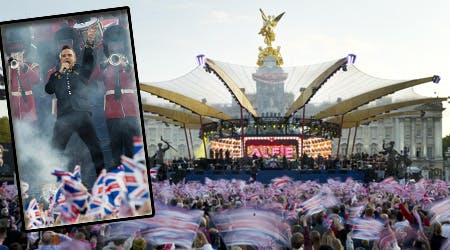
column 269, row 24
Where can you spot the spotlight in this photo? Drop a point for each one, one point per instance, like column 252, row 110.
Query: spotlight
column 201, row 60
column 436, row 79
column 351, row 58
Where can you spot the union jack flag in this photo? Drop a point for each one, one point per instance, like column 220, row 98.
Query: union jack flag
column 138, row 150
column 281, row 182
column 61, row 174
column 98, row 196
column 172, row 225
column 441, row 210
column 35, row 219
column 312, row 205
column 75, row 193
column 154, row 172
column 54, row 201
column 366, row 229
column 251, row 227
column 59, row 197
column 115, row 189
column 72, row 196
column 136, row 181
column 69, row 213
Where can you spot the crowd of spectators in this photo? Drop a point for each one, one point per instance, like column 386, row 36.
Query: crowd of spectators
column 406, row 217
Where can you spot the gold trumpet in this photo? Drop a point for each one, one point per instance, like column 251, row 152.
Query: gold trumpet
column 14, row 64
column 116, row 59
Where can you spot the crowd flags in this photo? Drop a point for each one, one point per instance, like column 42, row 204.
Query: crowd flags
column 318, row 202
column 256, row 227
column 34, row 215
column 138, row 149
column 171, row 225
column 366, row 229
column 281, row 182
column 115, row 190
column 71, row 196
column 96, row 206
column 154, row 172
column 136, row 180
column 126, row 184
column 441, row 210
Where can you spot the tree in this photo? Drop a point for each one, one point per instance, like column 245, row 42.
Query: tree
column 5, row 131
column 445, row 145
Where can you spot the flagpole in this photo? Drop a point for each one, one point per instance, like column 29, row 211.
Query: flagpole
column 354, row 136
column 340, row 135
column 190, row 137
column 303, row 130
column 187, row 142
column 348, row 141
column 243, row 153
column 203, row 136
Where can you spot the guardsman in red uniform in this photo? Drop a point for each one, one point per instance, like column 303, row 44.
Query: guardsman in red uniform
column 120, row 98
column 21, row 78
column 21, row 75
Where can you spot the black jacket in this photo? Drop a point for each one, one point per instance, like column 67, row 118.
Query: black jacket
column 70, row 88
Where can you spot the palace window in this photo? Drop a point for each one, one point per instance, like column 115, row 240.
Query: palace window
column 430, row 152
column 418, row 130
column 429, row 131
column 373, row 149
column 407, row 130
column 418, row 151
column 373, row 132
column 359, row 148
column 388, row 132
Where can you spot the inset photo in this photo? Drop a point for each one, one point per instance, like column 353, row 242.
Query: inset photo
column 76, row 120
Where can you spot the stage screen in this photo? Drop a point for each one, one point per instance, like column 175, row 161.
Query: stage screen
column 272, row 147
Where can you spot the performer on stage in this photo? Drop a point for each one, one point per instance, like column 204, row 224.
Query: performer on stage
column 69, row 85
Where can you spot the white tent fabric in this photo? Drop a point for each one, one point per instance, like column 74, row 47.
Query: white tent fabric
column 341, row 86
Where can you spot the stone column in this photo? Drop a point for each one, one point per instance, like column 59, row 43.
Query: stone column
column 399, row 130
column 447, row 166
column 412, row 150
column 438, row 156
column 424, row 136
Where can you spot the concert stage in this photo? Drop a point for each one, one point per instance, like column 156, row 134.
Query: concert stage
column 265, row 176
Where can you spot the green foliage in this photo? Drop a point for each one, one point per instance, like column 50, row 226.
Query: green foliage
column 5, row 131
column 445, row 145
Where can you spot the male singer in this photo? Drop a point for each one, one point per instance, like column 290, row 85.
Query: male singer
column 69, row 84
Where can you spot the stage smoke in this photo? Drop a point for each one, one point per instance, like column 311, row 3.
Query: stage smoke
column 35, row 157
